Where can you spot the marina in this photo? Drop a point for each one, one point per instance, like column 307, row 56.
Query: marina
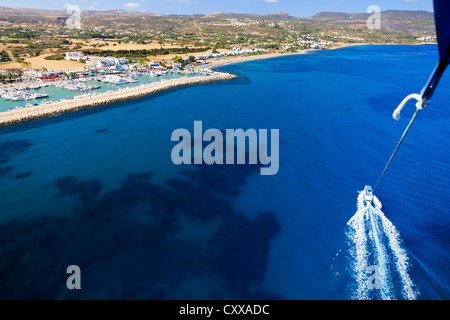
column 12, row 97
column 18, row 95
column 91, row 99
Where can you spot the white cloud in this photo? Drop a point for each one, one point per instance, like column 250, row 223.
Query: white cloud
column 180, row 1
column 271, row 1
column 132, row 5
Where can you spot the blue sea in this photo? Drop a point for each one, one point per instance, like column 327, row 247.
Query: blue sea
column 97, row 188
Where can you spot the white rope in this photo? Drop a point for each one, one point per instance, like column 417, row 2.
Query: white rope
column 421, row 104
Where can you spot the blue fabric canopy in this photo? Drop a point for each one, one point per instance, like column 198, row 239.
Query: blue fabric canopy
column 442, row 18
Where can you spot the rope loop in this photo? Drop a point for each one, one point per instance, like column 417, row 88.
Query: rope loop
column 419, row 105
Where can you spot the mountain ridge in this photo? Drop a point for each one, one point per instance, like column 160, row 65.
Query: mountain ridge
column 323, row 15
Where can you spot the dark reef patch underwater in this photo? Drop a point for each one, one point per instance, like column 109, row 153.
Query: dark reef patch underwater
column 135, row 242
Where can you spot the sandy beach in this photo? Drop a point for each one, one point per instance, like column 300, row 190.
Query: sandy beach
column 40, row 111
column 54, row 108
column 226, row 61
column 232, row 60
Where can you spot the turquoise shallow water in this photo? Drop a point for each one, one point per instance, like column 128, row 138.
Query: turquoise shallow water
column 60, row 93
column 97, row 187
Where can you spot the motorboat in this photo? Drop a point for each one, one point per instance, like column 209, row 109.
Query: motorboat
column 368, row 194
column 132, row 80
column 120, row 81
column 40, row 95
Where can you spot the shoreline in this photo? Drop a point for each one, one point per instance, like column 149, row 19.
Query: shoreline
column 235, row 60
column 25, row 114
column 55, row 108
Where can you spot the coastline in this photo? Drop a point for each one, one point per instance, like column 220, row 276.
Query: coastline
column 20, row 115
column 235, row 60
column 25, row 114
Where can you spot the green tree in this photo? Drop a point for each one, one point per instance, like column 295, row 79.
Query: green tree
column 177, row 59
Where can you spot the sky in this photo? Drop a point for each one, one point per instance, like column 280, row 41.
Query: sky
column 297, row 8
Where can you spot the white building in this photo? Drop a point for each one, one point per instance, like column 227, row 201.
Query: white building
column 105, row 62
column 74, row 56
column 427, row 39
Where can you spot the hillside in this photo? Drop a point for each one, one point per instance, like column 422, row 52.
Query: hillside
column 32, row 32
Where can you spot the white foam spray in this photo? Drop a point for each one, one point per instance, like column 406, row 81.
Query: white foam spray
column 374, row 241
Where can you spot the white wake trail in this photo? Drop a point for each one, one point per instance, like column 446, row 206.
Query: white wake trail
column 359, row 252
column 400, row 256
column 375, row 244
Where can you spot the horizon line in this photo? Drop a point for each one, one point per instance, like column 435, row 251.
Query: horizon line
column 206, row 14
